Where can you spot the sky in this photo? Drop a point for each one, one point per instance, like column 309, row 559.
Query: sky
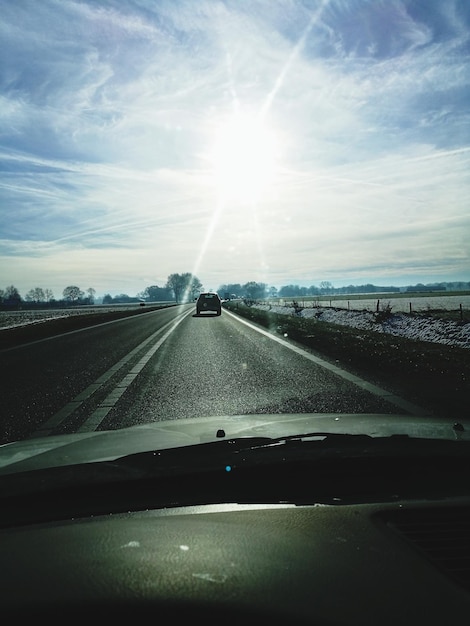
column 280, row 141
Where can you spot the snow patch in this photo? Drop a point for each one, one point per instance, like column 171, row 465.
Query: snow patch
column 398, row 324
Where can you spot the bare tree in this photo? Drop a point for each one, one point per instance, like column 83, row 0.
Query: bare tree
column 326, row 287
column 48, row 295
column 254, row 290
column 184, row 286
column 35, row 295
column 12, row 295
column 91, row 294
column 72, row 293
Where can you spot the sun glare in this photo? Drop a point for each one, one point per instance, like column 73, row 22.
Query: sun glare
column 243, row 158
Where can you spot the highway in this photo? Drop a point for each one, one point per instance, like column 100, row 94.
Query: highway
column 170, row 364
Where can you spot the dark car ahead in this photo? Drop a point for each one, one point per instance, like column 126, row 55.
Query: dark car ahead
column 209, row 301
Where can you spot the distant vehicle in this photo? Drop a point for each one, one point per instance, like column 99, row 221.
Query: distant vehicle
column 209, row 301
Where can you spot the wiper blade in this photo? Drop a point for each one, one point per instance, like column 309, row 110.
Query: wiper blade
column 240, row 444
column 343, row 468
column 311, row 446
column 326, row 437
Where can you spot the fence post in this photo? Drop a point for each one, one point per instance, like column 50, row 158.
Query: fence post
column 410, row 309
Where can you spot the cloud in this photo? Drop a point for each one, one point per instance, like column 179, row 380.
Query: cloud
column 109, row 113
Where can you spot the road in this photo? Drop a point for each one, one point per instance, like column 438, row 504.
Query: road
column 169, row 364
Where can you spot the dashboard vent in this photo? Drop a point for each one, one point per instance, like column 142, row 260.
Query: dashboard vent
column 443, row 535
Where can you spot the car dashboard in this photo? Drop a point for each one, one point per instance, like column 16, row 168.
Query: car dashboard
column 389, row 556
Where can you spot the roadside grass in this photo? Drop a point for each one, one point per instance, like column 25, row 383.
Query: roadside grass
column 435, row 376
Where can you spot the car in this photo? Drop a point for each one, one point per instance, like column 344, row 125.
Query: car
column 209, row 301
column 305, row 457
column 250, row 517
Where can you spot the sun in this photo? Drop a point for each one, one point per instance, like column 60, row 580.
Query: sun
column 243, row 158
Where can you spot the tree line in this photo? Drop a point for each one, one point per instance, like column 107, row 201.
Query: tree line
column 185, row 287
column 255, row 291
column 179, row 287
column 10, row 296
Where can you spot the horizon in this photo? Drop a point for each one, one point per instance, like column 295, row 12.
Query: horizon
column 324, row 138
column 100, row 295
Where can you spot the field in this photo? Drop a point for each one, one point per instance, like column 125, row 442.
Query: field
column 20, row 327
column 441, row 304
column 25, row 317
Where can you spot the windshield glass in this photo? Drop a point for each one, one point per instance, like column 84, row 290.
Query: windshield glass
column 228, row 219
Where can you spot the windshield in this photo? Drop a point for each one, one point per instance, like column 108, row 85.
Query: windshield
column 231, row 219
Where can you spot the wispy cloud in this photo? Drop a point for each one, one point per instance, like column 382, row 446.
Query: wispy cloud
column 108, row 114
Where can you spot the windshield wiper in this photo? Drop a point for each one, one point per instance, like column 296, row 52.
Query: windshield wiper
column 302, row 469
column 232, row 453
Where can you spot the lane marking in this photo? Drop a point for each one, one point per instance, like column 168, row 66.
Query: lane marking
column 392, row 398
column 95, row 419
column 66, row 411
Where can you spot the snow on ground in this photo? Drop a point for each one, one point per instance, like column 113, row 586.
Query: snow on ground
column 14, row 319
column 399, row 324
column 10, row 320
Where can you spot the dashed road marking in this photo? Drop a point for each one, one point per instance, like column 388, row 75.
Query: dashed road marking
column 95, row 419
column 99, row 414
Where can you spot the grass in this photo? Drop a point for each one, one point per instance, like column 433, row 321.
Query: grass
column 435, row 376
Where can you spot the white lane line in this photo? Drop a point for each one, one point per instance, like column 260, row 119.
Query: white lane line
column 95, row 419
column 84, row 395
column 409, row 407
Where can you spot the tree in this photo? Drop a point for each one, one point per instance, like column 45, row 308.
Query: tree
column 289, row 291
column 72, row 293
column 91, row 294
column 255, row 290
column 122, row 298
column 326, row 287
column 231, row 288
column 194, row 287
column 184, row 286
column 154, row 293
column 36, row 295
column 12, row 295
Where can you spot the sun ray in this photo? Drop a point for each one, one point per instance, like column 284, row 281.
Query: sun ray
column 244, row 152
column 294, row 53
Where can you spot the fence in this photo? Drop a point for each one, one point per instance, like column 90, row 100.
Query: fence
column 401, row 303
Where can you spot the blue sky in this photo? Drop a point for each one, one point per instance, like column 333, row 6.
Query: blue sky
column 278, row 141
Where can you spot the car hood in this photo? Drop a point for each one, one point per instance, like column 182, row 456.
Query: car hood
column 61, row 450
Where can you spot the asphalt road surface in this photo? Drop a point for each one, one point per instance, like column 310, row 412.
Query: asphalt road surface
column 170, row 364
